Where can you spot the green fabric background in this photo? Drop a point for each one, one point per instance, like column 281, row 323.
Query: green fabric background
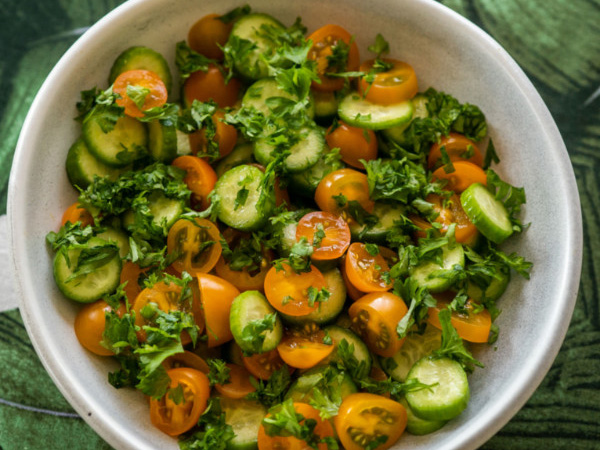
column 556, row 42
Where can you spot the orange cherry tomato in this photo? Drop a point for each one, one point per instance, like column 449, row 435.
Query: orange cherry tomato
column 130, row 273
column 89, row 326
column 262, row 365
column 336, row 234
column 200, row 177
column 207, row 34
column 458, row 148
column 392, row 86
column 210, row 85
column 354, row 143
column 323, row 429
column 304, row 352
column 353, row 185
column 464, row 175
column 375, row 317
column 77, row 213
column 216, row 295
column 472, row 327
column 225, row 137
column 176, row 418
column 352, row 292
column 239, row 383
column 287, row 291
column 324, row 41
column 364, row 270
column 197, row 243
column 363, row 417
column 156, row 91
column 186, row 359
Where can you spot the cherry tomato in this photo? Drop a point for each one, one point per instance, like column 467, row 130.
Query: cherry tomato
column 458, row 148
column 197, row 243
column 175, row 418
column 216, row 295
column 329, row 234
column 89, row 326
column 304, row 351
column 262, row 365
column 154, row 89
column 352, row 292
column 354, row 144
column 350, row 184
column 77, row 213
column 225, row 136
column 363, row 417
column 130, row 273
column 210, row 85
column 464, row 175
column 239, row 383
column 200, row 177
column 375, row 317
column 364, row 270
column 186, row 359
column 207, row 34
column 395, row 85
column 323, row 429
column 472, row 327
column 325, row 40
column 288, row 291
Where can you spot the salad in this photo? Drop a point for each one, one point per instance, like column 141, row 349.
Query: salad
column 300, row 252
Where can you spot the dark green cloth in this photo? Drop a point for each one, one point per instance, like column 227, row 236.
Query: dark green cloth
column 556, row 42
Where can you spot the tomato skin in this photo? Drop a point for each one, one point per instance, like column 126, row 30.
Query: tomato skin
column 303, row 353
column 77, row 213
column 363, row 415
column 464, row 175
column 262, row 365
column 354, row 143
column 210, row 85
column 375, row 317
column 174, row 419
column 140, row 78
column 216, row 295
column 200, row 177
column 352, row 184
column 456, row 145
column 225, row 137
column 353, row 293
column 186, row 238
column 239, row 383
column 393, row 86
column 206, row 33
column 89, row 326
column 362, row 269
column 337, row 234
column 471, row 327
column 130, row 273
column 186, row 359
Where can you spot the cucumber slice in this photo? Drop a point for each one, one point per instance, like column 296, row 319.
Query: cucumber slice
column 493, row 292
column 245, row 417
column 183, row 143
column 252, row 66
column 386, row 215
column 329, row 310
column 141, row 58
column 436, row 277
column 305, row 183
column 417, row 426
column 162, row 141
column 241, row 154
column 361, row 352
column 257, row 94
column 415, row 347
column 359, row 112
column 83, row 167
column 118, row 237
column 247, row 307
column 487, row 214
column 396, row 134
column 303, row 155
column 302, row 389
column 165, row 210
column 448, row 398
column 247, row 216
column 326, row 106
column 91, row 286
column 120, row 146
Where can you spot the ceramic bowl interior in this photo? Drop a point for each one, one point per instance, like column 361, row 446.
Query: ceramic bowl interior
column 448, row 53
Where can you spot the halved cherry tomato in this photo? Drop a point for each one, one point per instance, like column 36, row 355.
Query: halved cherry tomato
column 207, row 34
column 325, row 40
column 333, row 241
column 464, row 175
column 186, row 359
column 77, row 213
column 375, row 317
column 130, row 273
column 350, row 184
column 155, row 91
column 304, row 351
column 323, row 429
column 458, row 148
column 200, row 177
column 210, row 85
column 225, row 137
column 176, row 418
column 197, row 243
column 262, row 365
column 392, row 86
column 216, row 295
column 89, row 326
column 365, row 270
column 288, row 291
column 352, row 292
column 354, row 143
column 239, row 383
column 472, row 327
column 363, row 417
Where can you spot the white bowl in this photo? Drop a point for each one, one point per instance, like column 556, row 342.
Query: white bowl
column 448, row 53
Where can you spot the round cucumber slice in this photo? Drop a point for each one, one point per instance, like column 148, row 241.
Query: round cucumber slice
column 303, row 154
column 486, row 213
column 359, row 112
column 257, row 94
column 448, row 398
column 162, row 141
column 396, row 134
column 361, row 352
column 492, row 292
column 301, row 390
column 417, row 426
column 428, row 273
column 245, row 417
column 241, row 154
column 118, row 237
column 386, row 215
column 83, row 167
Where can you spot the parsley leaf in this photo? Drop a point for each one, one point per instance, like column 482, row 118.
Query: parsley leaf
column 137, row 94
column 452, row 344
column 235, row 14
column 254, row 333
column 512, row 197
column 272, row 391
column 102, row 106
column 188, row 61
column 212, row 432
column 219, row 372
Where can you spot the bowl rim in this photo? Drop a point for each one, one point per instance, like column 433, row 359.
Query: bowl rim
column 502, row 410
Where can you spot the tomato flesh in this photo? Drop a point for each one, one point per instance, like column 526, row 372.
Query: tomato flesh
column 340, row 187
column 355, row 144
column 156, row 91
column 89, row 326
column 200, row 178
column 472, row 327
column 457, row 147
column 329, row 234
column 365, row 271
column 198, row 243
column 262, row 365
column 239, row 383
column 395, row 85
column 302, row 352
column 216, row 295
